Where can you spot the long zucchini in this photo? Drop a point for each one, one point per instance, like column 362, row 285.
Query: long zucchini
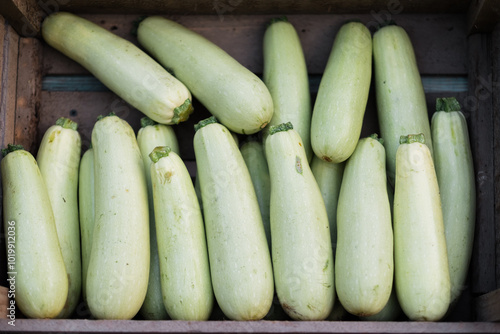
column 35, row 261
column 240, row 262
column 343, row 93
column 455, row 174
column 301, row 245
column 117, row 277
column 185, row 275
column 233, row 94
column 59, row 159
column 420, row 260
column 285, row 75
column 400, row 96
column 121, row 66
column 149, row 136
column 364, row 266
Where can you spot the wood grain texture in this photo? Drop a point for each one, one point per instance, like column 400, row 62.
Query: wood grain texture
column 488, row 306
column 479, row 104
column 433, row 36
column 23, row 15
column 4, row 302
column 29, row 78
column 495, row 53
column 482, row 16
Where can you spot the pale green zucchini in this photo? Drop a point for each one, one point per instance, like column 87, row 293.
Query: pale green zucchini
column 455, row 174
column 86, row 211
column 117, row 277
column 35, row 261
column 240, row 263
column 285, row 75
column 185, row 274
column 391, row 311
column 328, row 175
column 364, row 265
column 400, row 96
column 343, row 93
column 301, row 245
column 420, row 260
column 58, row 158
column 121, row 66
column 149, row 136
column 255, row 158
column 236, row 96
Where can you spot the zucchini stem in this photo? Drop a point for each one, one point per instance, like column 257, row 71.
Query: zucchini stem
column 280, row 127
column 66, row 123
column 159, row 152
column 205, row 122
column 146, row 121
column 447, row 104
column 413, row 138
column 11, row 148
column 377, row 138
column 108, row 115
column 182, row 112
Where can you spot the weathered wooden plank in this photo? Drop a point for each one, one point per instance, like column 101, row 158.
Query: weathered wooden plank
column 433, row 36
column 479, row 104
column 488, row 306
column 29, row 78
column 495, row 52
column 23, row 15
column 483, row 15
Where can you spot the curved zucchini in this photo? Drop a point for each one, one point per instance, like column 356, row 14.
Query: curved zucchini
column 301, row 245
column 420, row 259
column 185, row 275
column 41, row 282
column 59, row 160
column 86, row 211
column 364, row 266
column 121, row 66
column 149, row 136
column 329, row 178
column 255, row 159
column 400, row 96
column 455, row 174
column 233, row 94
column 117, row 277
column 240, row 262
column 285, row 75
column 343, row 93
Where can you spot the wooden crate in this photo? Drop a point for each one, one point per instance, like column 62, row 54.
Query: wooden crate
column 457, row 44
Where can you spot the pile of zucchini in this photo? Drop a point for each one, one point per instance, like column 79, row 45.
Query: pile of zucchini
column 304, row 212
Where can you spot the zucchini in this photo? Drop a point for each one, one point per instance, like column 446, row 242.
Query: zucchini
column 301, row 245
column 285, row 75
column 455, row 174
column 420, row 260
column 240, row 262
column 329, row 178
column 185, row 275
column 255, row 159
column 33, row 252
column 391, row 311
column 121, row 66
column 342, row 95
column 59, row 159
column 149, row 136
column 364, row 265
column 86, row 211
column 233, row 94
column 117, row 276
column 400, row 96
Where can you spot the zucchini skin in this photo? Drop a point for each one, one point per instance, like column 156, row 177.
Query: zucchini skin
column 118, row 271
column 364, row 265
column 420, row 260
column 456, row 178
column 285, row 75
column 329, row 178
column 343, row 94
column 58, row 158
column 255, row 158
column 86, row 211
column 301, row 245
column 185, row 274
column 149, row 137
column 121, row 66
column 236, row 96
column 400, row 97
column 41, row 280
column 240, row 263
